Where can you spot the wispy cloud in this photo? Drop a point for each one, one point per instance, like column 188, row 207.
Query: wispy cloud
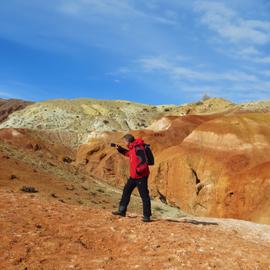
column 247, row 54
column 68, row 26
column 248, row 51
column 262, row 60
column 238, row 36
column 194, row 81
column 4, row 94
column 20, row 90
column 150, row 64
column 229, row 24
column 265, row 72
column 115, row 9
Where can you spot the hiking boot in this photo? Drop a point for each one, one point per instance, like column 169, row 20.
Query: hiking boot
column 146, row 219
column 119, row 213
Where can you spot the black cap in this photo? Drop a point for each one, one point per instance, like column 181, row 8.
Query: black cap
column 129, row 138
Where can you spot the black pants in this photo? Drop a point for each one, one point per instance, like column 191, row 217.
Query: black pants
column 142, row 185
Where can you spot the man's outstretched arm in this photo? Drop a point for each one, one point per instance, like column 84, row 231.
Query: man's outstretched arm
column 122, row 150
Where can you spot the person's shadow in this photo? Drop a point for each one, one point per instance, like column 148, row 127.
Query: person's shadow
column 189, row 221
column 193, row 221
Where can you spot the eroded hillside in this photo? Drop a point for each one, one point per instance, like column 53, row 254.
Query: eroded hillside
column 212, row 165
column 211, row 156
column 76, row 121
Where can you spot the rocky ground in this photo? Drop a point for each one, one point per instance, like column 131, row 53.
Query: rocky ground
column 39, row 234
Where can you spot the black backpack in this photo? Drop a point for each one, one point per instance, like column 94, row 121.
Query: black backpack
column 149, row 155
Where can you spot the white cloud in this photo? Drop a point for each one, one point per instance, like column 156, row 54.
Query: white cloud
column 151, row 64
column 252, row 54
column 248, row 51
column 193, row 82
column 262, row 25
column 229, row 24
column 239, row 91
column 262, row 85
column 262, row 60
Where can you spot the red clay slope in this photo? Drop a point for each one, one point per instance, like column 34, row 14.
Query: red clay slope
column 221, row 169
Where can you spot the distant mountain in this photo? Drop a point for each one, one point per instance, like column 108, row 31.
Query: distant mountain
column 8, row 106
column 81, row 119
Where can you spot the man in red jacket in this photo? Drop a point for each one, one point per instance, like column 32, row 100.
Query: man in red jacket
column 139, row 173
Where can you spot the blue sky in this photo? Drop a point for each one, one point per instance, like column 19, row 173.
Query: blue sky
column 154, row 51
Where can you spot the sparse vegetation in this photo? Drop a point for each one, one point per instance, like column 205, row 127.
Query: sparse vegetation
column 79, row 201
column 29, row 189
column 67, row 159
column 158, row 208
column 198, row 103
column 13, row 177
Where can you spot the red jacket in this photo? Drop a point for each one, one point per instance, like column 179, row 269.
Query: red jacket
column 137, row 158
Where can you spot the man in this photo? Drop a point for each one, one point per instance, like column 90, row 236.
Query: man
column 139, row 173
